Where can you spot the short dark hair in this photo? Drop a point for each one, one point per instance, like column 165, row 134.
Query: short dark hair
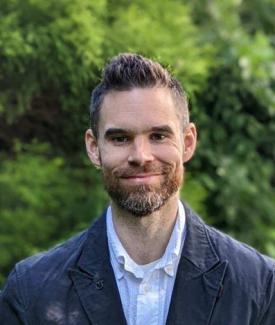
column 127, row 71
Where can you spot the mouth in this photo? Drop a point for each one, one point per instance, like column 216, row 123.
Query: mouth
column 141, row 178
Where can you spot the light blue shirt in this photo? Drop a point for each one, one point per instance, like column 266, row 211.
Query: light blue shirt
column 146, row 290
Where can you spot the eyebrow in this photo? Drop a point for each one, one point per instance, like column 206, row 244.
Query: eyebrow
column 114, row 131
column 163, row 128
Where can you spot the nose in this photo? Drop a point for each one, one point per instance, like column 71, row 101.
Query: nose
column 141, row 152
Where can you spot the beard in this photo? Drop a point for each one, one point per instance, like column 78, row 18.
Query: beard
column 142, row 200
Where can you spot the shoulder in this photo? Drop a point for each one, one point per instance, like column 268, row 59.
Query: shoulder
column 31, row 276
column 46, row 270
column 56, row 258
column 249, row 273
column 239, row 254
column 60, row 258
column 31, row 273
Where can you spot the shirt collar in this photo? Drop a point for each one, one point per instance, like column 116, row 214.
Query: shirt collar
column 168, row 262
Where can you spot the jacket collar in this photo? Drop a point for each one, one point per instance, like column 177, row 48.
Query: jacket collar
column 197, row 286
column 200, row 274
column 198, row 249
column 94, row 278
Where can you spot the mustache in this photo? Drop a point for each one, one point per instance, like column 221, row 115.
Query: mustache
column 128, row 172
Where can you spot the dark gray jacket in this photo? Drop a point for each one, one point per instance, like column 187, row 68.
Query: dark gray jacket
column 219, row 282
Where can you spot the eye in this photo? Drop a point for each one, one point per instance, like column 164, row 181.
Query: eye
column 120, row 139
column 157, row 137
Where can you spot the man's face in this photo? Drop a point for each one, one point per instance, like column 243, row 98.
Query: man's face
column 141, row 148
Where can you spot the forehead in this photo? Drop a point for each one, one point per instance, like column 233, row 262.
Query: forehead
column 139, row 108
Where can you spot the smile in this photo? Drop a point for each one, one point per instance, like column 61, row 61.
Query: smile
column 141, row 178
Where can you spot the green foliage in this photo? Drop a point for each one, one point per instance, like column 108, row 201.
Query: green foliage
column 48, row 47
column 43, row 201
column 194, row 193
column 240, row 179
column 163, row 30
column 51, row 54
column 235, row 115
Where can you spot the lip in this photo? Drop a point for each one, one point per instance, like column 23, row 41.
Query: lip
column 141, row 178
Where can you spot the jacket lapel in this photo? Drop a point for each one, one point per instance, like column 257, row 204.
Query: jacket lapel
column 94, row 279
column 197, row 288
column 198, row 283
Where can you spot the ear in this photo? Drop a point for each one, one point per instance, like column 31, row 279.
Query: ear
column 189, row 141
column 92, row 148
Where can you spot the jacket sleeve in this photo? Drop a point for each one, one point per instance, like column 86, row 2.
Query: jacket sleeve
column 12, row 310
column 268, row 310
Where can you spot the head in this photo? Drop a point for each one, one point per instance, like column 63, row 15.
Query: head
column 140, row 133
column 127, row 71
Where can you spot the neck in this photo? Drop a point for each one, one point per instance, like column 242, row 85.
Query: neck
column 145, row 238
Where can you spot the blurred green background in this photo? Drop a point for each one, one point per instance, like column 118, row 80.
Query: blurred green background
column 51, row 56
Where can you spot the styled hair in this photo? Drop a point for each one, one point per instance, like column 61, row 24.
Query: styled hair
column 127, row 71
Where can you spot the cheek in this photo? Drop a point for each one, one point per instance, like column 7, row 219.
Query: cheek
column 169, row 155
column 112, row 158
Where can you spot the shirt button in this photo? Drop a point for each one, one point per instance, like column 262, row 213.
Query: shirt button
column 144, row 288
column 168, row 269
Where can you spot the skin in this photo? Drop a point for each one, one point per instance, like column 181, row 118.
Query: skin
column 137, row 129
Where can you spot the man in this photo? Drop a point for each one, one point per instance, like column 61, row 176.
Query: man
column 149, row 259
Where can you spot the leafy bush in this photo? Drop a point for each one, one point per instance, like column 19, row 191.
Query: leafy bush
column 43, row 201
